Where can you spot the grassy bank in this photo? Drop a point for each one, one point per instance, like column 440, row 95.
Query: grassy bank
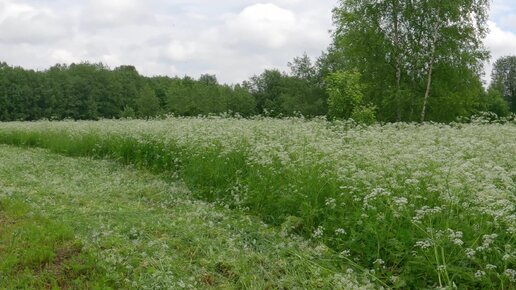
column 412, row 205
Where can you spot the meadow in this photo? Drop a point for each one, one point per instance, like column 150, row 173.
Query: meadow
column 396, row 205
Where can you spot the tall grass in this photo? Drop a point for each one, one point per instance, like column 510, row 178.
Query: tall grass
column 413, row 205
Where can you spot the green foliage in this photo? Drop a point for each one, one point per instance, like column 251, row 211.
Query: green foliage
column 147, row 104
column 240, row 101
column 456, row 92
column 345, row 94
column 128, row 113
column 187, row 97
column 279, row 94
column 90, row 91
column 401, row 48
column 493, row 101
column 503, row 80
column 364, row 114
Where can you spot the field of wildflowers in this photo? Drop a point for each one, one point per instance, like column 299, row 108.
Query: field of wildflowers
column 407, row 205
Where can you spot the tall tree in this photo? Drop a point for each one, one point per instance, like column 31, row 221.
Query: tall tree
column 398, row 46
column 503, row 79
column 147, row 104
column 267, row 88
column 302, row 68
column 450, row 33
column 301, row 92
column 371, row 37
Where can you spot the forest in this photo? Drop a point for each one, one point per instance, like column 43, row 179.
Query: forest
column 389, row 61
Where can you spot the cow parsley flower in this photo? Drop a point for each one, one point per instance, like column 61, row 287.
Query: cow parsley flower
column 318, row 232
column 480, row 274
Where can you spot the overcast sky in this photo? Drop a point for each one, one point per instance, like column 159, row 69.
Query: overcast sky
column 233, row 39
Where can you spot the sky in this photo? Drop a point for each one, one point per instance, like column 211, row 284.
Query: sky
column 233, row 39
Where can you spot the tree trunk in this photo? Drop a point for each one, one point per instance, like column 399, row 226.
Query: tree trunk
column 427, row 92
column 430, row 70
column 411, row 114
column 398, row 63
column 398, row 91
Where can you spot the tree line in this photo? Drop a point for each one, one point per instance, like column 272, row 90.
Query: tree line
column 92, row 91
column 389, row 61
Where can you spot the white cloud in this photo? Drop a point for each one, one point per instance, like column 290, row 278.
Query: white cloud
column 509, row 20
column 503, row 12
column 500, row 43
column 263, row 24
column 12, row 9
column 240, row 44
column 106, row 14
column 232, row 38
column 179, row 51
column 23, row 23
column 63, row 56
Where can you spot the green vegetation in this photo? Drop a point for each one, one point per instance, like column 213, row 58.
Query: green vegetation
column 406, row 205
column 346, row 98
column 91, row 91
column 419, row 60
column 504, row 82
column 37, row 253
column 76, row 223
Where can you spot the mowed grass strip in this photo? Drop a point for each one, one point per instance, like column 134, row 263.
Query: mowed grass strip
column 96, row 224
column 38, row 253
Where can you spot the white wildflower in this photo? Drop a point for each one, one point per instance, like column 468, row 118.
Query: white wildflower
column 318, row 232
column 331, row 202
column 345, row 254
column 470, row 253
column 511, row 274
column 480, row 274
column 340, row 231
column 424, row 244
column 401, row 201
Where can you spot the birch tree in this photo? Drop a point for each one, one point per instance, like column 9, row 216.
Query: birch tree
column 398, row 46
column 448, row 32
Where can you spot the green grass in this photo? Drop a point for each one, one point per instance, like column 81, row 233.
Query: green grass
column 408, row 205
column 81, row 223
column 38, row 253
